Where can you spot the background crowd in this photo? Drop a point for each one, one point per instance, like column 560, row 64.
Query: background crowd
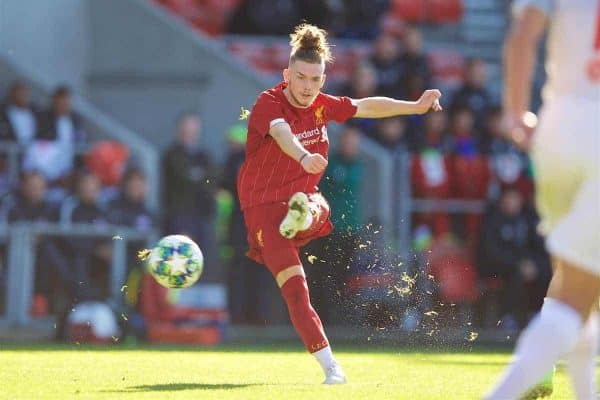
column 483, row 263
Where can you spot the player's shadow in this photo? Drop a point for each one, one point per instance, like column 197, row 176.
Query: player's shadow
column 171, row 387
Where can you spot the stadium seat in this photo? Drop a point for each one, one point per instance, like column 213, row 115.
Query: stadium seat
column 392, row 24
column 167, row 323
column 168, row 334
column 447, row 67
column 187, row 9
column 432, row 185
column 209, row 16
column 107, row 160
column 444, row 11
column 358, row 282
column 343, row 65
column 471, row 181
column 250, row 52
column 454, row 271
column 409, row 10
column 82, row 333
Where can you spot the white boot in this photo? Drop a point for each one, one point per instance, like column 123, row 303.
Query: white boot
column 296, row 217
column 335, row 376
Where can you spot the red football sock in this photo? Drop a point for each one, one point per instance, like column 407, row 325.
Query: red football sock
column 304, row 317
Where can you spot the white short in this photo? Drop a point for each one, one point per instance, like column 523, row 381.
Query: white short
column 566, row 157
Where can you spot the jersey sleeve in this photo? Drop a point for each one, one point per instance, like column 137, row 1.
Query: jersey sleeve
column 546, row 6
column 267, row 112
column 340, row 108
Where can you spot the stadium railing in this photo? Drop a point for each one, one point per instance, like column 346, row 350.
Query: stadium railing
column 11, row 152
column 21, row 240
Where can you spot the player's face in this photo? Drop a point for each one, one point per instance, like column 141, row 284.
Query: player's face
column 305, row 80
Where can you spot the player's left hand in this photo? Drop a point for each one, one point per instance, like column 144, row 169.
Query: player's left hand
column 519, row 129
column 430, row 99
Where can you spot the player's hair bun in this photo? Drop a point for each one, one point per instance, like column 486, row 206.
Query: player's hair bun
column 309, row 43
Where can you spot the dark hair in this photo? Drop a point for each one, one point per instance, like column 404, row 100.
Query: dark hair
column 185, row 115
column 60, row 91
column 132, row 172
column 461, row 108
column 309, row 44
column 16, row 85
column 27, row 174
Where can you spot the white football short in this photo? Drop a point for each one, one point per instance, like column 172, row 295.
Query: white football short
column 566, row 157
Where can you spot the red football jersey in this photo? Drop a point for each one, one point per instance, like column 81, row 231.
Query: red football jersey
column 269, row 175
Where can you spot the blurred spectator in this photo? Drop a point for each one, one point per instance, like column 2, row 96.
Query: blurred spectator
column 248, row 282
column 361, row 18
column 342, row 185
column 510, row 165
column 30, row 205
column 434, row 135
column 107, row 160
column 414, row 66
column 431, row 172
column 464, row 135
column 265, row 17
column 415, row 71
column 60, row 122
column 335, row 254
column 511, row 249
column 471, row 174
column 474, row 94
column 373, row 270
column 386, row 61
column 130, row 208
column 59, row 133
column 317, row 12
column 391, row 133
column 91, row 256
column 189, row 189
column 18, row 117
column 363, row 82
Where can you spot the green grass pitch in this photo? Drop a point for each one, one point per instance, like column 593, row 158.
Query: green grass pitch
column 247, row 372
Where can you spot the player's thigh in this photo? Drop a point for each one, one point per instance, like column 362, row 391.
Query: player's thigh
column 557, row 181
column 280, row 255
column 574, row 286
column 575, row 238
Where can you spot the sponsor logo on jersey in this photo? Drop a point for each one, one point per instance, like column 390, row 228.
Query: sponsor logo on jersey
column 259, row 238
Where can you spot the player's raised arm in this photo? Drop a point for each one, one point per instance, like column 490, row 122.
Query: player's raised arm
column 382, row 107
column 290, row 145
column 520, row 52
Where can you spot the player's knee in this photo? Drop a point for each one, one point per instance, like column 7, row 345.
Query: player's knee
column 283, row 276
column 295, row 291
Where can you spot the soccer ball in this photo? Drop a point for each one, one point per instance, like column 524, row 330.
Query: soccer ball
column 175, row 262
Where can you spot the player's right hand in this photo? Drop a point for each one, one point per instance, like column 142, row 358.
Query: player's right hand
column 314, row 163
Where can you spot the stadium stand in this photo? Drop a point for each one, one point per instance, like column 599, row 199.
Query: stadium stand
column 452, row 179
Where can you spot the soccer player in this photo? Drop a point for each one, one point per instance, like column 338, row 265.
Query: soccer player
column 286, row 155
column 566, row 155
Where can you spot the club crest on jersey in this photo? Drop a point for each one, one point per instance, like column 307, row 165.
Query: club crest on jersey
column 320, row 115
column 259, row 238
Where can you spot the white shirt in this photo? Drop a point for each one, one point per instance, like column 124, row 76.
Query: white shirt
column 23, row 123
column 65, row 131
column 573, row 47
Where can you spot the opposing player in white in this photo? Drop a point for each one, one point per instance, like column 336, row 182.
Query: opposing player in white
column 566, row 156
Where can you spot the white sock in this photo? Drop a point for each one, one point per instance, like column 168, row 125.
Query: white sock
column 308, row 221
column 581, row 360
column 325, row 358
column 550, row 335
